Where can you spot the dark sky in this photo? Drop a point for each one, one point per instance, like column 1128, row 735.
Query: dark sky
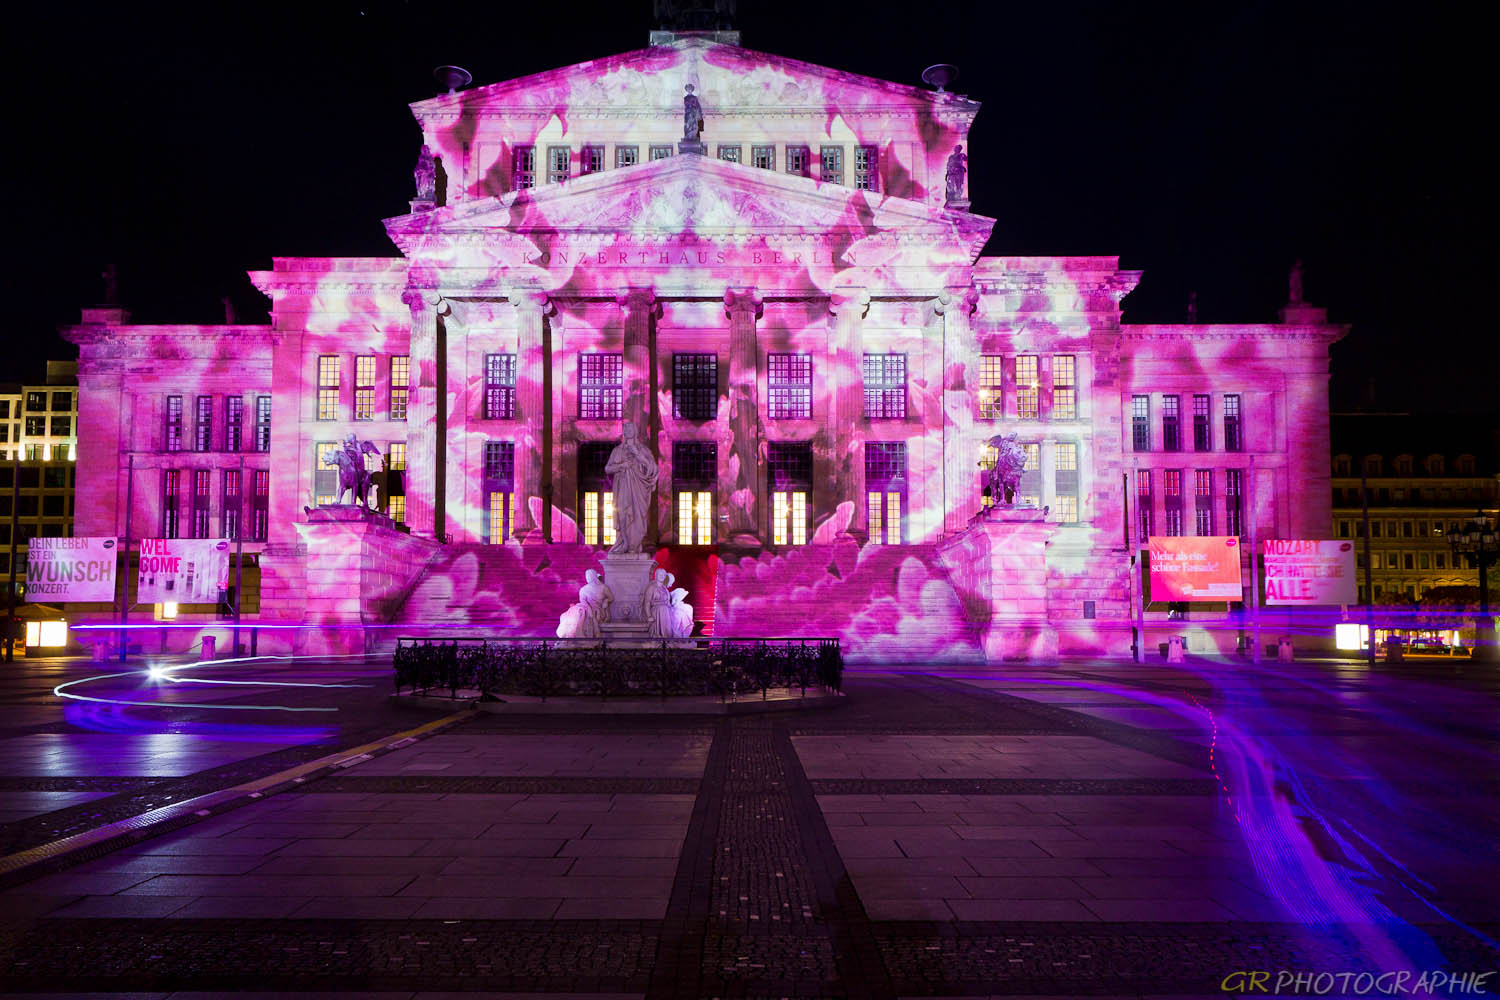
column 1208, row 144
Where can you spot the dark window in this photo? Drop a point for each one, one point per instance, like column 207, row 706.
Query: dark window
column 885, row 386
column 174, row 425
column 36, row 426
column 789, row 465
column 1171, row 428
column 61, row 426
column 695, row 462
column 1201, row 440
column 789, row 384
column 262, row 423
column 26, row 505
column 660, row 152
column 499, row 463
column 203, row 426
column 831, row 161
column 797, row 160
column 62, row 401
column 729, row 154
column 229, row 514
column 54, row 505
column 1140, row 423
column 523, row 168
column 695, row 386
column 500, row 386
column 1144, row 505
column 201, row 487
column 1089, row 609
column 763, row 157
column 36, row 402
column 1233, row 486
column 1172, row 499
column 591, row 160
column 601, row 383
column 260, row 506
column 1203, row 502
column 1232, row 439
column 866, row 176
column 559, row 164
column 234, row 422
column 171, row 487
column 627, row 156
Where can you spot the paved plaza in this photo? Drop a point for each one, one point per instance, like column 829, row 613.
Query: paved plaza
column 1072, row 830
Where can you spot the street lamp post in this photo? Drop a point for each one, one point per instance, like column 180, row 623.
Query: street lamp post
column 1477, row 542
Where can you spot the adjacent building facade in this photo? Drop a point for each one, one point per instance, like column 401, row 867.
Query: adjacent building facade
column 792, row 307
column 38, row 446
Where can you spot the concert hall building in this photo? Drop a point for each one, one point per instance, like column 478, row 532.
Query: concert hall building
column 794, row 310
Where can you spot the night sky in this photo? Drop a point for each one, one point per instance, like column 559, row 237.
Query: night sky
column 1207, row 144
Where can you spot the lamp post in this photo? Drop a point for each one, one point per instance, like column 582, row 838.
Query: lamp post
column 1478, row 543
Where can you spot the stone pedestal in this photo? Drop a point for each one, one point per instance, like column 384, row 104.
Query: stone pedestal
column 626, row 575
column 692, row 146
column 1000, row 563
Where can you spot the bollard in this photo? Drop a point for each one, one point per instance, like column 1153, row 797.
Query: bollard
column 207, row 652
column 101, row 652
column 1284, row 651
column 1175, row 649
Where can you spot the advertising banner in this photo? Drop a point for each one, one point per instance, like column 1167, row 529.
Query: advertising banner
column 70, row 569
column 183, row 570
column 1299, row 571
column 1195, row 569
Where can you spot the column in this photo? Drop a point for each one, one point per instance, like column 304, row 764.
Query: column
column 848, row 306
column 746, row 479
column 636, row 307
column 954, row 310
column 1047, row 469
column 421, row 412
column 531, row 306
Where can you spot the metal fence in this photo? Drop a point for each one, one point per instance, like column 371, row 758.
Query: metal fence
column 548, row 668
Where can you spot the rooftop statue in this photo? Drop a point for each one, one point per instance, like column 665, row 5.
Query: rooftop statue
column 957, row 169
column 1294, row 285
column 634, row 473
column 692, row 116
column 426, row 175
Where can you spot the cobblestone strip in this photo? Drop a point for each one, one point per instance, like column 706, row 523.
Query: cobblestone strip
column 78, row 783
column 458, row 784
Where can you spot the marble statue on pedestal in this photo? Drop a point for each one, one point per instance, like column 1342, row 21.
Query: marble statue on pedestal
column 664, row 609
column 583, row 619
column 634, row 473
column 679, row 616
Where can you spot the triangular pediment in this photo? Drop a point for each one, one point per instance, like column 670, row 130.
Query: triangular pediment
column 691, row 195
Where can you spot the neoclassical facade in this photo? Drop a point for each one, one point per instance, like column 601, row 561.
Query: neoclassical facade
column 792, row 308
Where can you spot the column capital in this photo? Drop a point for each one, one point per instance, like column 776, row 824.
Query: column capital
column 849, row 300
column 959, row 301
column 743, row 300
column 633, row 299
column 420, row 298
column 526, row 299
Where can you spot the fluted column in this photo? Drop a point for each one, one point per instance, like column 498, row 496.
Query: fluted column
column 848, row 306
column 531, row 306
column 637, row 306
column 422, row 448
column 745, row 465
column 954, row 310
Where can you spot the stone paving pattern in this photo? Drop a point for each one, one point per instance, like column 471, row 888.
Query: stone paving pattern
column 931, row 838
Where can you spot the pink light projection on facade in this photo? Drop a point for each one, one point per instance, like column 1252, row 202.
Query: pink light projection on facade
column 801, row 326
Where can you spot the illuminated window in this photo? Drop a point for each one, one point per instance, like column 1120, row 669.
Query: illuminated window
column 500, row 386
column 660, row 152
column 991, row 386
column 789, row 385
column 234, row 422
column 1201, row 435
column 400, row 383
column 262, row 423
column 694, row 473
column 260, row 503
column 1171, row 427
column 325, row 473
column 1028, row 387
column 559, row 164
column 1064, row 388
column 203, row 425
column 1029, row 491
column 1065, row 480
column 763, row 157
column 627, row 156
column 229, row 513
column 1140, row 423
column 1172, row 499
column 695, row 386
column 364, row 387
column 866, row 177
column 499, row 491
column 729, row 154
column 523, row 168
column 1144, row 504
column 595, row 500
column 601, row 382
column 397, row 509
column 202, row 484
column 831, row 164
column 328, row 387
column 1232, row 439
column 885, row 386
column 591, row 159
column 1233, row 486
column 174, row 423
column 1203, row 502
column 171, row 485
column 797, row 160
column 499, row 516
column 398, row 456
column 885, row 491
column 789, row 474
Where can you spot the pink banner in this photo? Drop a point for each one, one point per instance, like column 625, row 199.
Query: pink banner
column 1299, row 571
column 1195, row 569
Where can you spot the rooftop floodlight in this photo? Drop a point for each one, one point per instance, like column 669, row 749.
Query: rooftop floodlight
column 455, row 78
column 940, row 76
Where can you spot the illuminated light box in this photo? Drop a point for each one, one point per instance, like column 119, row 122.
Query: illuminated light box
column 1351, row 636
column 46, row 635
column 1300, row 571
column 1195, row 569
